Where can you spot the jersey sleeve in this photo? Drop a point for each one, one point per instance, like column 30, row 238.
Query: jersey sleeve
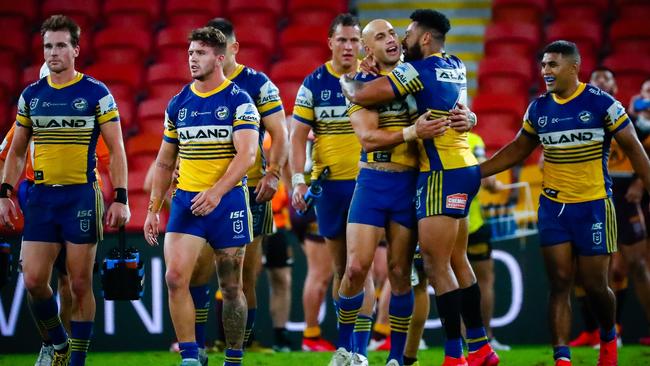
column 405, row 79
column 107, row 108
column 6, row 143
column 23, row 116
column 170, row 134
column 527, row 126
column 268, row 100
column 303, row 109
column 615, row 117
column 246, row 115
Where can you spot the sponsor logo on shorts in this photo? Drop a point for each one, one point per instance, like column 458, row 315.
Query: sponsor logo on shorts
column 457, row 201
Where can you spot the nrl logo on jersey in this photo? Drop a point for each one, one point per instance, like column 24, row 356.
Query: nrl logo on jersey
column 325, row 94
column 182, row 114
column 33, row 103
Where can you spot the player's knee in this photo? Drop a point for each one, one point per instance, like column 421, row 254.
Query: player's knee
column 639, row 269
column 80, row 287
column 400, row 277
column 230, row 290
column 35, row 284
column 356, row 272
column 175, row 279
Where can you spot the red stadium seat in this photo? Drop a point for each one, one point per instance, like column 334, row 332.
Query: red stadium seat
column 127, row 116
column 511, row 39
column 143, row 144
column 141, row 14
column 192, row 13
column 123, row 45
column 12, row 46
column 313, row 13
column 30, row 74
column 288, row 92
column 171, row 45
column 123, row 80
column 526, row 11
column 632, row 9
column 631, row 71
column 304, row 42
column 505, row 75
column 500, row 110
column 254, row 58
column 8, row 81
column 151, row 115
column 587, row 35
column 253, row 21
column 273, row 8
column 18, row 14
column 630, row 36
column 139, row 201
column 84, row 12
column 259, row 38
column 292, row 70
column 580, row 9
column 142, row 161
column 166, row 80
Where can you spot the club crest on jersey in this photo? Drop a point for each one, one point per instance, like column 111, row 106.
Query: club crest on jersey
column 221, row 113
column 456, row 201
column 84, row 225
column 80, row 104
column 33, row 103
column 325, row 94
column 585, row 116
column 238, row 226
column 182, row 114
column 541, row 121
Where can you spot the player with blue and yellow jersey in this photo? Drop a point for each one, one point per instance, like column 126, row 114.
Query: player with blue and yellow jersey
column 262, row 183
column 211, row 126
column 449, row 175
column 321, row 107
column 575, row 123
column 64, row 114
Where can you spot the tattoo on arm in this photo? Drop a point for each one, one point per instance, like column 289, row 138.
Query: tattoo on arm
column 162, row 165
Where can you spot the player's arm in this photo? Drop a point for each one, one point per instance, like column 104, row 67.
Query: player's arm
column 366, row 94
column 515, row 152
column 118, row 213
column 627, row 139
column 299, row 136
column 278, row 153
column 162, row 177
column 16, row 159
column 5, row 146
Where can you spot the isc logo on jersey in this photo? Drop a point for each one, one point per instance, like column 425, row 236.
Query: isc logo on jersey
column 205, row 134
column 451, row 75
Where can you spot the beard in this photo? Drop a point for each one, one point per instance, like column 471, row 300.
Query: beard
column 413, row 53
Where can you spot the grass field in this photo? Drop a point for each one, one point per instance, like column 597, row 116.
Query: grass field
column 629, row 355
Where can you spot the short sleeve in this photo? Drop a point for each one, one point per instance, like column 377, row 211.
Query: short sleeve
column 23, row 116
column 246, row 115
column 303, row 109
column 527, row 126
column 405, row 79
column 268, row 100
column 107, row 109
column 170, row 134
column 615, row 118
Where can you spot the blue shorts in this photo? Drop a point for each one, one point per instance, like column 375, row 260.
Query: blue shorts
column 380, row 197
column 228, row 225
column 262, row 215
column 332, row 207
column 446, row 192
column 23, row 192
column 71, row 213
column 589, row 226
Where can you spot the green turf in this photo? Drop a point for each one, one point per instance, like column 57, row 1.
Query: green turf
column 629, row 355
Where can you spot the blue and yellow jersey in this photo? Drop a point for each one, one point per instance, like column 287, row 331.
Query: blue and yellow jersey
column 202, row 125
column 477, row 146
column 438, row 83
column 65, row 120
column 320, row 104
column 266, row 97
column 575, row 133
column 393, row 116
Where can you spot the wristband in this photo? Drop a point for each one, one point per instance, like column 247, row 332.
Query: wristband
column 6, row 190
column 296, row 179
column 121, row 196
column 273, row 169
column 473, row 119
column 409, row 133
column 155, row 204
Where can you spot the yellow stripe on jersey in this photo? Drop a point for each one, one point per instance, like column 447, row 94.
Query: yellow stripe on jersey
column 452, row 148
column 574, row 154
column 528, row 127
column 434, row 193
column 23, row 121
column 77, row 78
column 305, row 113
column 610, row 225
column 613, row 126
column 112, row 115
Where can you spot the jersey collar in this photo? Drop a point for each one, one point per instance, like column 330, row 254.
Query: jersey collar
column 211, row 92
column 558, row 100
column 330, row 69
column 238, row 69
column 75, row 80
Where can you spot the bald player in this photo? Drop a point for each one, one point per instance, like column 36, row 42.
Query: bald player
column 383, row 197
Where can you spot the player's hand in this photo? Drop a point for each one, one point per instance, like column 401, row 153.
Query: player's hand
column 369, row 65
column 462, row 119
column 150, row 228
column 205, row 202
column 8, row 212
column 298, row 197
column 429, row 128
column 118, row 215
column 635, row 192
column 266, row 188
